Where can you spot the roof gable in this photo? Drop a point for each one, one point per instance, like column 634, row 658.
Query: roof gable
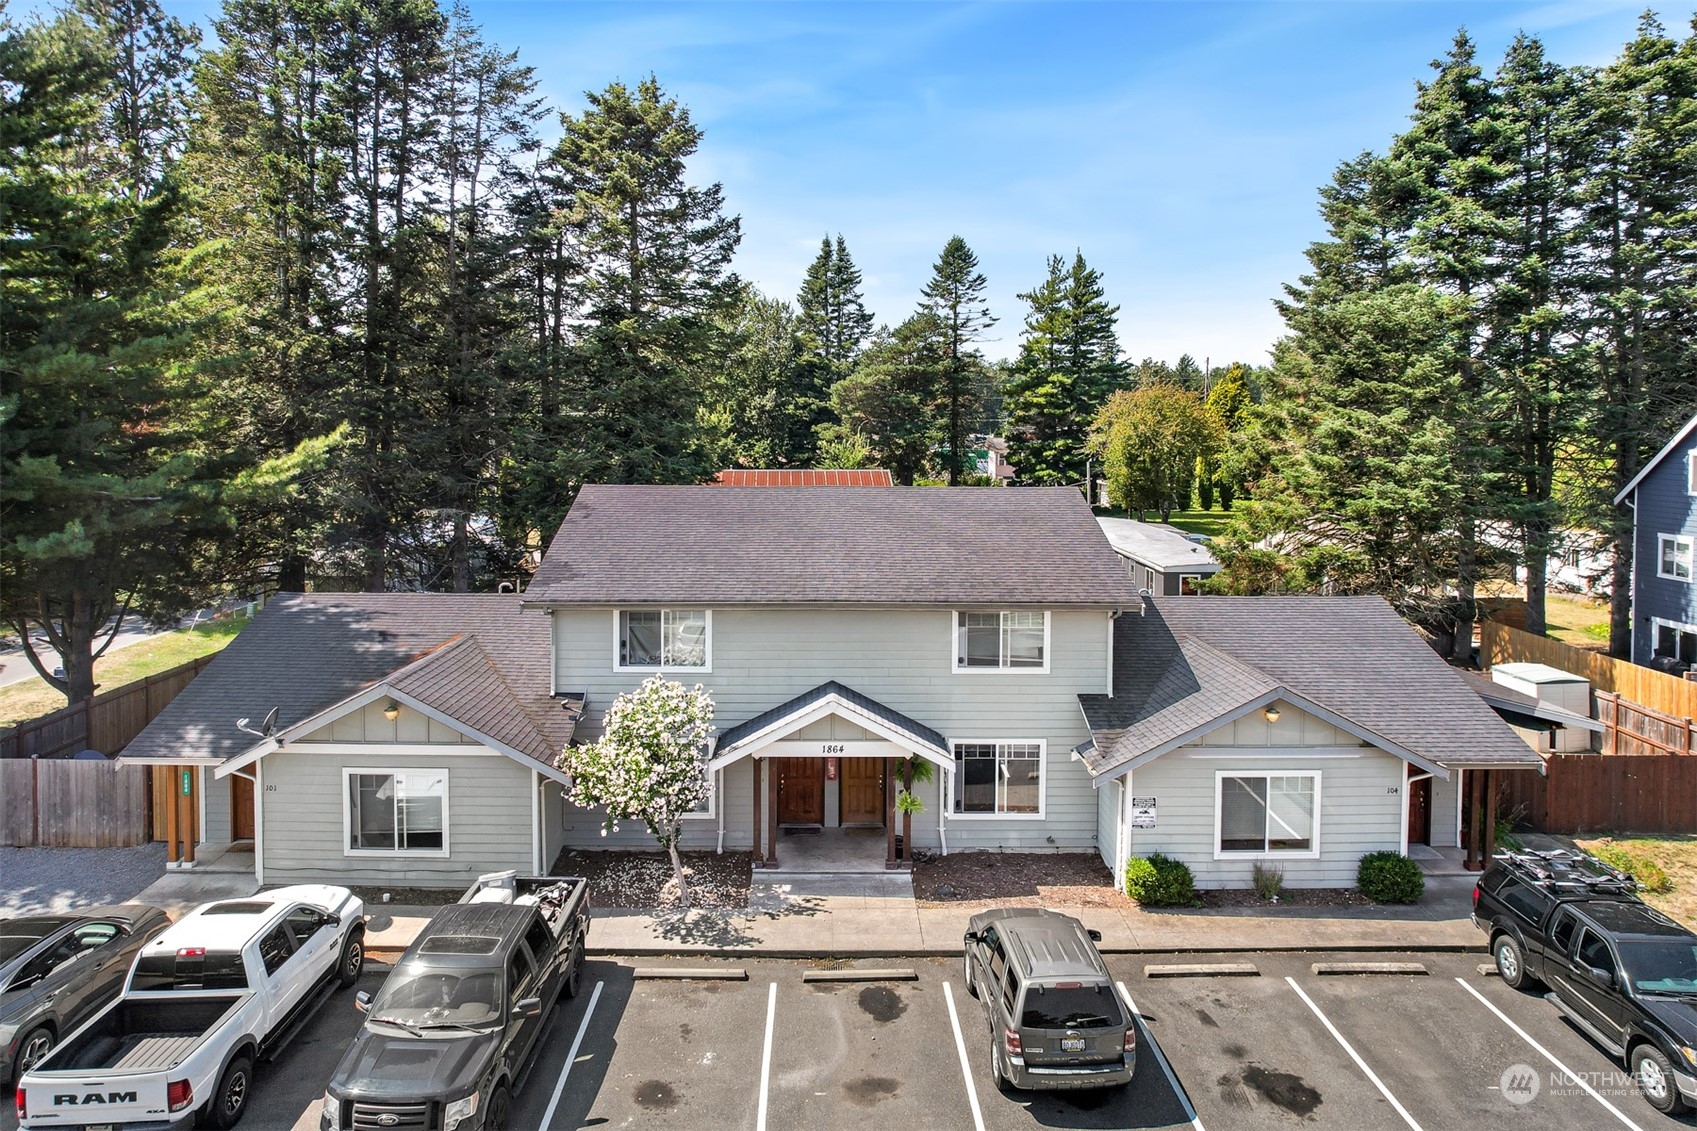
column 1349, row 660
column 475, row 662
column 1673, row 445
column 934, row 546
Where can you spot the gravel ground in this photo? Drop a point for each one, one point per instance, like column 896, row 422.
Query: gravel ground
column 37, row 880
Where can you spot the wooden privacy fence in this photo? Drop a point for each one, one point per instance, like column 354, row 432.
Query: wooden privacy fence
column 1629, row 728
column 1585, row 793
column 1670, row 695
column 105, row 723
column 72, row 803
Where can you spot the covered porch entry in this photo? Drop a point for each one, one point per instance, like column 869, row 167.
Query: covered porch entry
column 830, row 763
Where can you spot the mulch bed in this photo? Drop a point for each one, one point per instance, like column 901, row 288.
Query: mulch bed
column 406, row 897
column 1290, row 897
column 1015, row 879
column 643, row 880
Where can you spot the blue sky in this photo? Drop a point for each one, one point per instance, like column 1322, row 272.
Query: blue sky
column 1179, row 146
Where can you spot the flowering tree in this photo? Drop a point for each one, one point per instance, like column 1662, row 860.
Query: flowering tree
column 648, row 764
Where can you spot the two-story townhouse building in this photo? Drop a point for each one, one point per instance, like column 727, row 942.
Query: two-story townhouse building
column 1663, row 497
column 989, row 635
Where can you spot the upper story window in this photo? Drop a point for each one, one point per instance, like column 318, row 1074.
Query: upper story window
column 1691, row 473
column 655, row 639
column 1674, row 561
column 1004, row 641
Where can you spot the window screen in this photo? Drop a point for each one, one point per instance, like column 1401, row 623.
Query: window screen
column 1267, row 814
column 403, row 811
column 663, row 638
column 998, row 777
column 999, row 640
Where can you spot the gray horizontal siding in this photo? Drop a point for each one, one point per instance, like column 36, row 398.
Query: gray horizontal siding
column 369, row 725
column 1357, row 813
column 902, row 658
column 489, row 819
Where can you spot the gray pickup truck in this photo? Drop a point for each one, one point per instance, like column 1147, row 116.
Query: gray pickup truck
column 452, row 1034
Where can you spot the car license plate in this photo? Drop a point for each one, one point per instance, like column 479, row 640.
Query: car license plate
column 97, row 1127
column 1072, row 1044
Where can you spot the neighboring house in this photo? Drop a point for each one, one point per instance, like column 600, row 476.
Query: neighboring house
column 990, row 457
column 1664, row 554
column 991, row 634
column 1159, row 558
column 803, row 477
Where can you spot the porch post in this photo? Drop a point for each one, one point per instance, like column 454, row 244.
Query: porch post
column 1490, row 820
column 772, row 816
column 889, row 813
column 1475, row 834
column 755, row 829
column 907, row 818
column 171, row 812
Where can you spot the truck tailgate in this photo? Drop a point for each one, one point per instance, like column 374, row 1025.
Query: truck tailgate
column 96, row 1099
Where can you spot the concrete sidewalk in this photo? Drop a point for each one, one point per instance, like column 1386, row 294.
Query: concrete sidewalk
column 871, row 926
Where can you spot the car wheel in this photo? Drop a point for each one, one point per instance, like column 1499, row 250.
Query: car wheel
column 1653, row 1073
column 966, row 967
column 32, row 1050
column 499, row 1102
column 230, row 1100
column 1511, row 963
column 353, row 960
column 1000, row 1080
column 574, row 971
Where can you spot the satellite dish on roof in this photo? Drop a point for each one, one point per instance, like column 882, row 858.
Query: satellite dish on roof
column 265, row 729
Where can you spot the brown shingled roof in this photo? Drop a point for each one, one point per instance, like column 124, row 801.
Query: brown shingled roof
column 803, row 477
column 959, row 546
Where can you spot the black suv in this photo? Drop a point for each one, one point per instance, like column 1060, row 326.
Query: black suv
column 1621, row 971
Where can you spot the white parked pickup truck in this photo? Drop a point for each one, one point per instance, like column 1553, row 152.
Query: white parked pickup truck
column 225, row 986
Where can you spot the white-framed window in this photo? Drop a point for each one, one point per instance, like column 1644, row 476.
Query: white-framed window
column 1691, row 473
column 998, row 778
column 1149, row 579
column 1188, row 583
column 663, row 639
column 1264, row 814
column 395, row 812
column 1673, row 640
column 1001, row 642
column 1674, row 559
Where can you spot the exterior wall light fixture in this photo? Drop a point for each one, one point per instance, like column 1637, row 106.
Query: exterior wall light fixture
column 1272, row 714
column 392, row 710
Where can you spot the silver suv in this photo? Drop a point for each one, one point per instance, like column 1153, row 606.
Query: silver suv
column 1055, row 1018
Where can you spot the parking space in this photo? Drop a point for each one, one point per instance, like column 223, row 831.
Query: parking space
column 1376, row 1051
column 1287, row 1047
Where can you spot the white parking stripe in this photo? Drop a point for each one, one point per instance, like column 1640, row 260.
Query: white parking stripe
column 1355, row 1056
column 1545, row 1053
column 1161, row 1059
column 965, row 1066
column 571, row 1058
column 766, row 1056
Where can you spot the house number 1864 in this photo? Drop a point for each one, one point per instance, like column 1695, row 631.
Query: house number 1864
column 832, row 748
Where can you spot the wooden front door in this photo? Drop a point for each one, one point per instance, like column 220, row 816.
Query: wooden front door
column 861, row 796
column 801, row 790
column 1420, row 812
column 241, row 807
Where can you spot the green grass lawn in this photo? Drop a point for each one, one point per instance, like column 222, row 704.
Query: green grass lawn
column 32, row 697
column 1212, row 523
column 1675, row 855
column 1576, row 620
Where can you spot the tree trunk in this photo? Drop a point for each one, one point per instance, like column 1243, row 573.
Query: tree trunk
column 1466, row 594
column 291, row 574
column 678, row 871
column 461, row 554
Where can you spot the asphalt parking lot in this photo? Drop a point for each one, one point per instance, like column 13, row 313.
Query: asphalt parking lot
column 1285, row 1048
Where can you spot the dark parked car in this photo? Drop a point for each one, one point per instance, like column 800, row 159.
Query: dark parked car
column 1620, row 970
column 454, row 1030
column 57, row 971
column 1056, row 1020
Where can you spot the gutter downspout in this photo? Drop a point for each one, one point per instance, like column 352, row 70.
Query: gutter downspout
column 943, row 780
column 259, row 821
column 719, row 804
column 1632, row 625
column 536, row 823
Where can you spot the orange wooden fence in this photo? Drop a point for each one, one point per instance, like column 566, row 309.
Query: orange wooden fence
column 1500, row 644
column 1640, row 793
column 105, row 723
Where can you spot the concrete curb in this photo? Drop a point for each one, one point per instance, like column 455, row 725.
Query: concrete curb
column 743, row 952
column 1203, row 970
column 690, row 973
column 1322, row 968
column 890, row 974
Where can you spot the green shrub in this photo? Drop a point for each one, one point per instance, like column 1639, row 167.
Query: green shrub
column 1647, row 872
column 1269, row 880
column 1159, row 881
column 1390, row 877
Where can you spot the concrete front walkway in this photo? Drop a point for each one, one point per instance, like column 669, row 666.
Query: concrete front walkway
column 869, row 924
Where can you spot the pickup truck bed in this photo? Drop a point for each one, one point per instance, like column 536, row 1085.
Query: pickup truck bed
column 145, row 1036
